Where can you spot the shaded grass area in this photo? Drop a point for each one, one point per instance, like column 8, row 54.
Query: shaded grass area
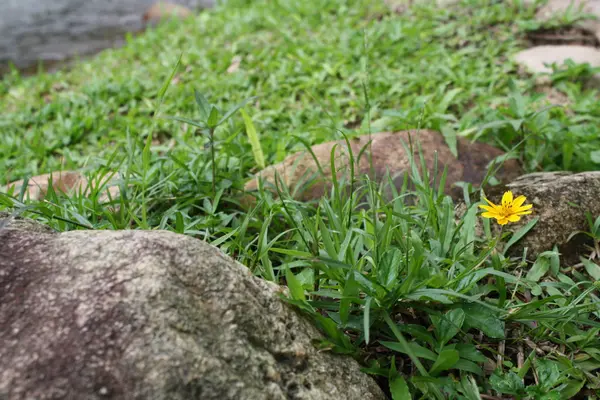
column 417, row 297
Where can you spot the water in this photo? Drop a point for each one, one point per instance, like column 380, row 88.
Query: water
column 56, row 30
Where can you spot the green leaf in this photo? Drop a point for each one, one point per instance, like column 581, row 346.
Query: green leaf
column 548, row 372
column 291, row 252
column 509, row 383
column 467, row 231
column 399, row 389
column 327, row 240
column 448, row 325
column 331, row 330
column 468, row 351
column 188, row 121
column 450, row 138
column 418, row 350
column 469, row 387
column 213, row 117
column 484, row 319
column 367, row 319
column 518, row 235
column 446, row 360
column 296, row 289
column 592, row 268
column 468, row 366
column 259, row 158
column 389, row 267
column 203, row 105
column 146, row 153
column 234, row 109
column 572, row 388
column 179, row 225
column 165, row 85
column 306, row 277
column 351, row 291
column 595, row 156
column 539, row 269
column 568, row 149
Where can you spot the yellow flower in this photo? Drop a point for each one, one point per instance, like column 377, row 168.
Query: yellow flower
column 509, row 211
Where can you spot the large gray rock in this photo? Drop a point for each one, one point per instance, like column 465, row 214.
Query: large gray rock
column 55, row 30
column 560, row 201
column 152, row 315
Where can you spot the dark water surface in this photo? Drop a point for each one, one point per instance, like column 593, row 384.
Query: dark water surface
column 56, row 30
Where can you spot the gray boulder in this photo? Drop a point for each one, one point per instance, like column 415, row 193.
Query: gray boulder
column 152, row 315
column 560, row 202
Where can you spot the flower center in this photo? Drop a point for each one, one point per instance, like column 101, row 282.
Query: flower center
column 506, row 209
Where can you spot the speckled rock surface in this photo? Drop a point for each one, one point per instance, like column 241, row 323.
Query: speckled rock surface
column 300, row 172
column 152, row 315
column 560, row 201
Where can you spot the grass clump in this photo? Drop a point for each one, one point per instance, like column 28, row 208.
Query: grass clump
column 410, row 289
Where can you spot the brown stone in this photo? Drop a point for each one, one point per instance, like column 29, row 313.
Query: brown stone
column 67, row 182
column 163, row 10
column 153, row 315
column 300, row 173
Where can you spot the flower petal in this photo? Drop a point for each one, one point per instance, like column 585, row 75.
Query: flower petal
column 488, row 208
column 494, row 206
column 503, row 221
column 519, row 201
column 489, row 202
column 489, row 215
column 523, row 212
column 507, row 198
column 525, row 207
column 513, row 218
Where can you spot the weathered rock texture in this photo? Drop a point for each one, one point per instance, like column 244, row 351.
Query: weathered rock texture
column 560, row 201
column 300, row 173
column 152, row 315
column 57, row 30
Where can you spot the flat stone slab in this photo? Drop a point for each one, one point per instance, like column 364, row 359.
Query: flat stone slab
column 554, row 7
column 538, row 59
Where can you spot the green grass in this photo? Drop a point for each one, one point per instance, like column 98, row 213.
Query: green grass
column 418, row 298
